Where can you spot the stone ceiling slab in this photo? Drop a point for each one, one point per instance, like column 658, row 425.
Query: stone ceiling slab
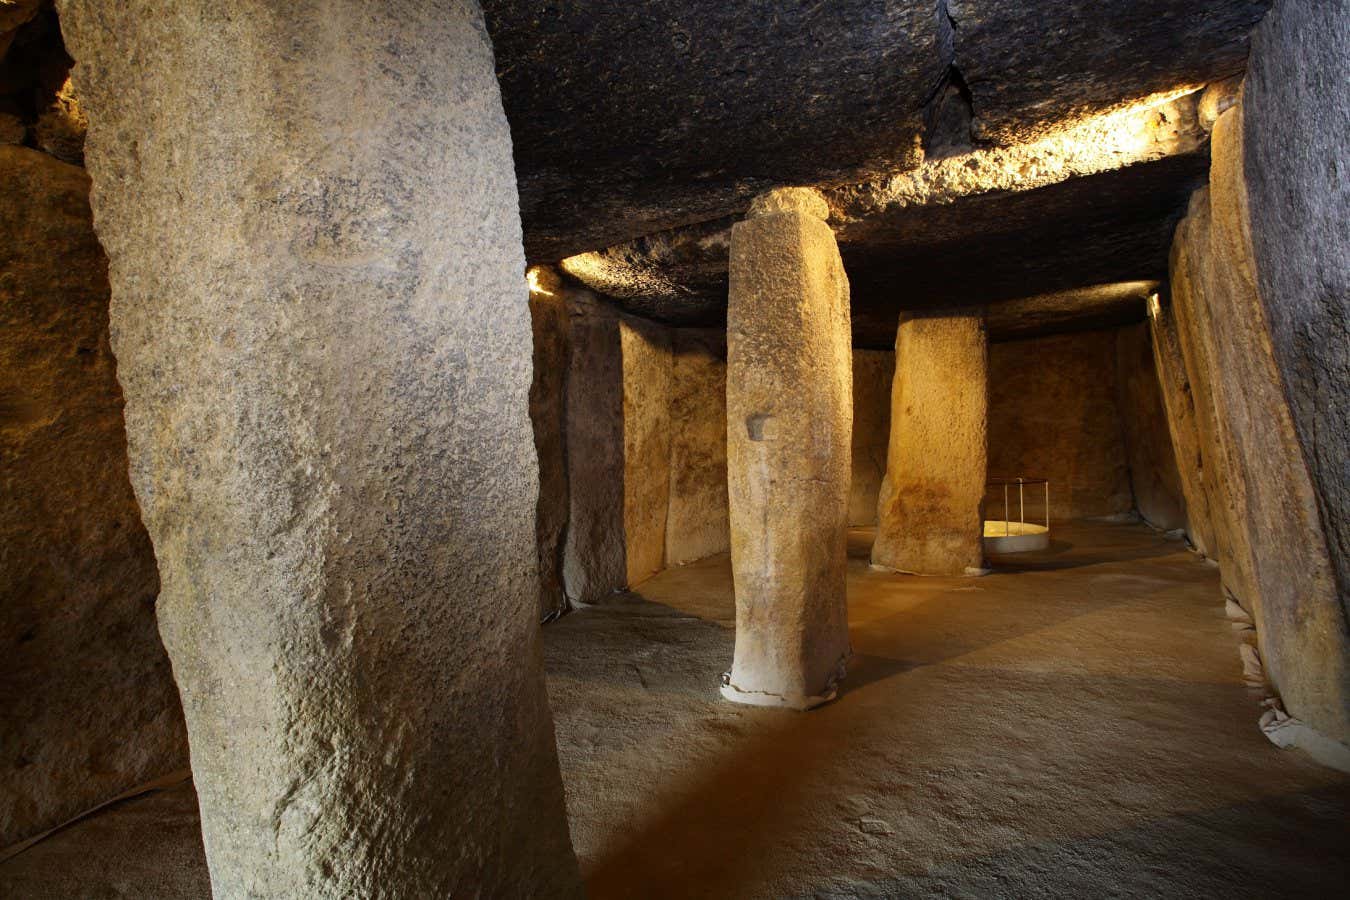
column 1030, row 67
column 629, row 118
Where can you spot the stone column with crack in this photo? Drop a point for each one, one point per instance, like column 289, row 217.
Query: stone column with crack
column 320, row 316
column 928, row 515
column 789, row 425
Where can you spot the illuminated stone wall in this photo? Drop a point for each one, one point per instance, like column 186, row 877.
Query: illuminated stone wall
column 1054, row 413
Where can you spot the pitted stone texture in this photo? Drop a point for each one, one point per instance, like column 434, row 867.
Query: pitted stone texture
column 594, row 556
column 323, row 335
column 789, row 421
column 698, row 524
column 548, row 321
column 1029, row 66
column 1296, row 123
column 1189, row 311
column 1064, row 229
column 806, row 201
column 646, row 445
column 90, row 707
column 1148, row 443
column 1054, row 413
column 928, row 516
column 1279, row 566
column 873, row 372
column 1192, row 466
column 630, row 118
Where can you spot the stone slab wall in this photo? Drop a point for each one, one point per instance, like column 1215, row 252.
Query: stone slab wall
column 643, row 444
column 873, row 371
column 548, row 322
column 647, row 374
column 1296, row 125
column 1054, row 413
column 90, row 708
column 1179, row 403
column 1154, row 478
column 1275, row 556
column 697, row 524
column 594, row 556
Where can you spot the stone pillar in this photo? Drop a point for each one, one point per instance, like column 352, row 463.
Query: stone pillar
column 789, row 423
column 928, row 517
column 322, row 330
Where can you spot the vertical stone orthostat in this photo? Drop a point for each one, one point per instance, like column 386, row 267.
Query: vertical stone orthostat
column 928, row 517
column 789, row 425
column 321, row 321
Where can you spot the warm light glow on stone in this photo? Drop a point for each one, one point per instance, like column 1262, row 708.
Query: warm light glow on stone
column 1154, row 306
column 532, row 279
column 1154, row 128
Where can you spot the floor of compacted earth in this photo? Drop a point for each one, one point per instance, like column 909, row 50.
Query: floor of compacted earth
column 1073, row 724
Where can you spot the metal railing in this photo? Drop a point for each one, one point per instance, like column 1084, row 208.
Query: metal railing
column 1021, row 484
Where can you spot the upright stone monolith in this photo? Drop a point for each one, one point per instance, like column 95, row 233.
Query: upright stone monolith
column 928, row 517
column 320, row 315
column 789, row 425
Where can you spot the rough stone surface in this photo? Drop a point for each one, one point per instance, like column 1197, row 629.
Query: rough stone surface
column 594, row 556
column 806, row 201
column 1154, row 479
column 548, row 322
column 1280, row 567
column 1296, row 123
column 873, row 372
column 1090, row 308
column 1054, row 413
column 789, row 423
column 645, row 438
column 1187, row 448
column 90, row 706
column 1061, row 219
column 1028, row 66
column 631, row 118
column 1189, row 310
column 677, row 276
column 61, row 126
column 646, row 352
column 698, row 524
column 323, row 334
column 928, row 515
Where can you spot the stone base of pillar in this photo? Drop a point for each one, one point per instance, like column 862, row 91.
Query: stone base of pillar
column 786, row 701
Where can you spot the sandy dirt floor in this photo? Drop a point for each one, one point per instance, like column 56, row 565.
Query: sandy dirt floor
column 1073, row 725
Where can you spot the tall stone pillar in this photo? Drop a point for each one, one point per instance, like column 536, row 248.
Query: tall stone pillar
column 789, row 424
column 928, row 517
column 320, row 316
